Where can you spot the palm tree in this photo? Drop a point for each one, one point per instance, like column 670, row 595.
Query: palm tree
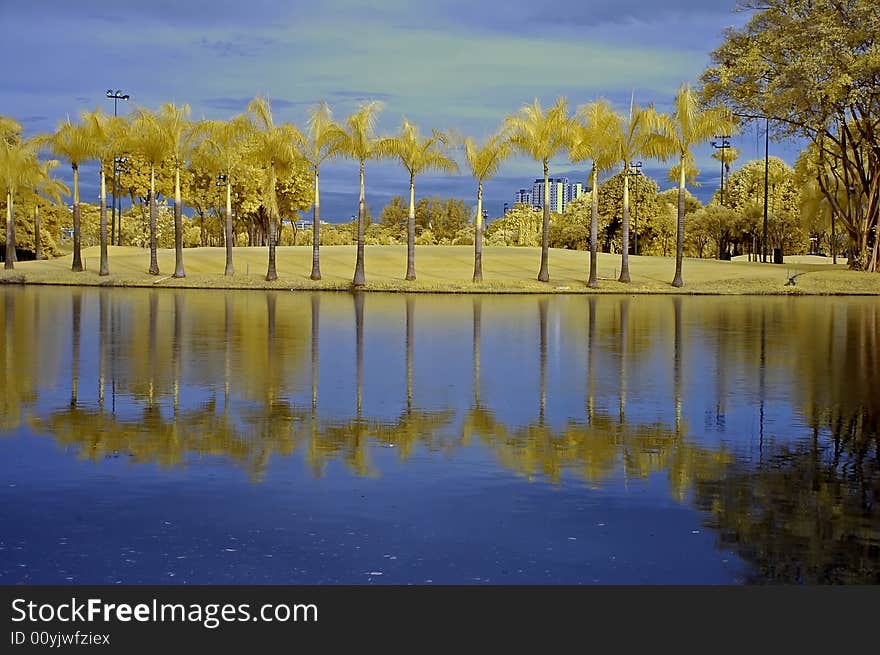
column 594, row 140
column 226, row 138
column 541, row 136
column 149, row 139
column 75, row 143
column 631, row 141
column 179, row 133
column 417, row 155
column 45, row 186
column 104, row 132
column 688, row 126
column 359, row 143
column 325, row 140
column 18, row 168
column 273, row 148
column 484, row 162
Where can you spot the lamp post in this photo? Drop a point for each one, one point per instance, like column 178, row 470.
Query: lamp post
column 766, row 120
column 723, row 146
column 635, row 170
column 116, row 236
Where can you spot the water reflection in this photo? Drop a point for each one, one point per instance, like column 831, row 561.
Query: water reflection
column 785, row 465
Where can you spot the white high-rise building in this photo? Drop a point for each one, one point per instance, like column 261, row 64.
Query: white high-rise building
column 562, row 192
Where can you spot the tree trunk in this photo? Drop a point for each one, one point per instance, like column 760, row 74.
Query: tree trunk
column 271, row 273
column 229, row 238
column 359, row 277
column 593, row 282
column 178, row 227
column 9, row 259
column 478, row 236
column 104, row 268
column 316, row 232
column 411, row 231
column 77, row 236
column 38, row 246
column 154, row 260
column 679, row 230
column 624, row 251
column 544, row 271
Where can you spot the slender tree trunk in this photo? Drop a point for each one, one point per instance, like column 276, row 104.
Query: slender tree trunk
column 594, row 229
column 272, row 274
column 478, row 236
column 230, row 270
column 544, row 271
column 77, row 235
column 679, row 232
column 316, row 232
column 411, row 231
column 359, row 278
column 9, row 259
column 104, row 268
column 154, row 260
column 38, row 246
column 178, row 227
column 624, row 255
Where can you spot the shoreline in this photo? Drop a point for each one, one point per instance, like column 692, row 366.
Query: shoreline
column 448, row 270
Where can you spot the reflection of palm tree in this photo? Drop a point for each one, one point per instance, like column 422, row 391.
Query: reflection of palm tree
column 591, row 359
column 102, row 346
column 76, row 324
column 624, row 320
column 542, row 319
column 410, row 308
column 676, row 364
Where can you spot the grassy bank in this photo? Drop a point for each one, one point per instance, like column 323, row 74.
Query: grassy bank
column 449, row 269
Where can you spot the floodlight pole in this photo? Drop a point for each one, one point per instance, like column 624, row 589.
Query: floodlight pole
column 116, row 236
column 723, row 146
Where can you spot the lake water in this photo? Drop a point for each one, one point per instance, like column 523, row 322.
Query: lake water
column 250, row 437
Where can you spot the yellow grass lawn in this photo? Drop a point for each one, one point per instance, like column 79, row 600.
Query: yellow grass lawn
column 448, row 269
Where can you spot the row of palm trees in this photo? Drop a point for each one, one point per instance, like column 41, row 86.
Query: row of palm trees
column 595, row 133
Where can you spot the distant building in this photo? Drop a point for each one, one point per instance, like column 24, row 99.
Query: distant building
column 523, row 196
column 562, row 192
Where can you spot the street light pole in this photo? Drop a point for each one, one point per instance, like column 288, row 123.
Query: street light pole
column 116, row 236
column 723, row 147
column 766, row 120
column 635, row 170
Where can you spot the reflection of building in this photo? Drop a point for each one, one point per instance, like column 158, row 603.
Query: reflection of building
column 562, row 192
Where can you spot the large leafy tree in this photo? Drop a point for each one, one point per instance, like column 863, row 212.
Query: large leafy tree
column 360, row 143
column 541, row 135
column 324, row 140
column 812, row 69
column 75, row 143
column 676, row 135
column 149, row 139
column 484, row 161
column 593, row 139
column 417, row 155
column 226, row 140
column 273, row 148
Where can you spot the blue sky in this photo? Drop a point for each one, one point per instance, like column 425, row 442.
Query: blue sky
column 457, row 65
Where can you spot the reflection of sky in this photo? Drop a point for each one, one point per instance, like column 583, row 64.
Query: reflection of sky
column 458, row 64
